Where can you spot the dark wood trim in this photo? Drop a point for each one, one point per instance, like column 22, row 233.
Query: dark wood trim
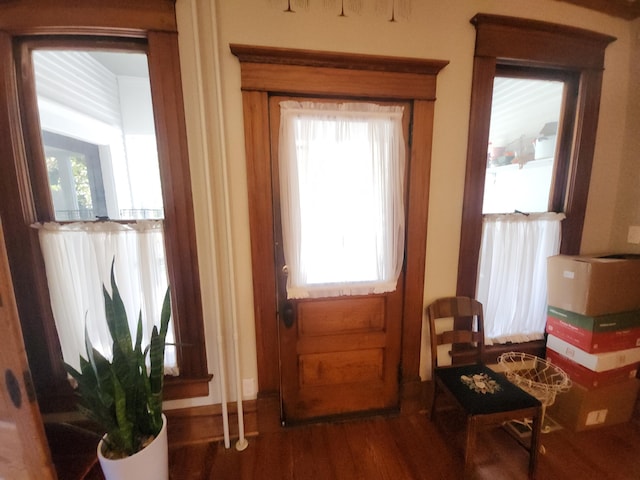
column 561, row 180
column 535, row 42
column 336, row 81
column 111, row 17
column 36, row 165
column 532, row 44
column 629, row 9
column 419, row 177
column 320, row 73
column 479, row 121
column 248, row 54
column 257, row 145
column 179, row 224
column 414, row 396
column 18, row 211
column 266, row 71
column 205, row 424
column 186, row 387
column 492, row 352
column 586, row 126
column 269, row 413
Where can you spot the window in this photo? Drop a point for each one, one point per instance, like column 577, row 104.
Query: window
column 566, row 63
column 342, row 176
column 75, row 177
column 98, row 133
column 525, row 113
column 517, row 238
column 101, row 164
column 83, row 178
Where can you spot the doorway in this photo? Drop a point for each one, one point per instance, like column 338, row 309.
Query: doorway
column 267, row 72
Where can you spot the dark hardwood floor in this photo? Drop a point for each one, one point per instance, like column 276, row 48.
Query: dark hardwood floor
column 408, row 447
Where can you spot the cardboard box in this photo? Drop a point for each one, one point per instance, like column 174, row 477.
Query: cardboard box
column 594, row 285
column 597, row 362
column 588, row 378
column 598, row 341
column 582, row 409
column 598, row 323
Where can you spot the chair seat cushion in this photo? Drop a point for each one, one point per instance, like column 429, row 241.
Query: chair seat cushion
column 480, row 390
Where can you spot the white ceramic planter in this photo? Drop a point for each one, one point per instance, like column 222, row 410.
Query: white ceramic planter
column 152, row 462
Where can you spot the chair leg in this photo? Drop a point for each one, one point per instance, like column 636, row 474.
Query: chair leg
column 470, row 446
column 432, row 413
column 534, row 447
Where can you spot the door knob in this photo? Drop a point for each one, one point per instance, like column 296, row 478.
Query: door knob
column 13, row 387
column 288, row 314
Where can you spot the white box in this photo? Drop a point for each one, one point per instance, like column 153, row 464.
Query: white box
column 597, row 362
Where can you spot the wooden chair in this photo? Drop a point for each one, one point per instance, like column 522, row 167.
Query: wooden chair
column 486, row 397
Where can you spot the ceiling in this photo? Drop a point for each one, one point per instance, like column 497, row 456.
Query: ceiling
column 627, row 9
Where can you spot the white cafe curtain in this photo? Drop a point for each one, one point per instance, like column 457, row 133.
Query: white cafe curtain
column 78, row 259
column 512, row 275
column 341, row 170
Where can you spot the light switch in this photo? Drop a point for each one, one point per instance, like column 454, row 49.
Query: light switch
column 634, row 234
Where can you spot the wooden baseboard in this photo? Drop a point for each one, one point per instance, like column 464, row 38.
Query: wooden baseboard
column 269, row 415
column 414, row 396
column 204, row 424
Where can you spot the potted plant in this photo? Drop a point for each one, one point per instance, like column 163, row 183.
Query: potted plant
column 124, row 395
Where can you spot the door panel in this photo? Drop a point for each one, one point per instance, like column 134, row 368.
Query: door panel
column 338, row 355
column 24, row 452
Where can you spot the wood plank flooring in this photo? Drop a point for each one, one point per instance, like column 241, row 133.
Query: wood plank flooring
column 409, row 447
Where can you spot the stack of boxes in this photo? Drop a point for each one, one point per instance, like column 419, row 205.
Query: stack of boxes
column 593, row 327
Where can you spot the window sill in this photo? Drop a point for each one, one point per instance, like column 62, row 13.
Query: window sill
column 176, row 388
column 492, row 352
column 63, row 399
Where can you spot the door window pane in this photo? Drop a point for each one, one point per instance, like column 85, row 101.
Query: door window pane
column 98, row 134
column 522, row 144
column 341, row 197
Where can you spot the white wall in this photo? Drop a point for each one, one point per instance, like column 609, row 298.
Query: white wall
column 433, row 29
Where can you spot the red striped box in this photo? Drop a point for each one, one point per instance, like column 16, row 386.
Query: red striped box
column 593, row 341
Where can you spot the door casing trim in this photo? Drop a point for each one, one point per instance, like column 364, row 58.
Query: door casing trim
column 267, row 71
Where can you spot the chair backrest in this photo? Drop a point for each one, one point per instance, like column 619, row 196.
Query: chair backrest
column 467, row 335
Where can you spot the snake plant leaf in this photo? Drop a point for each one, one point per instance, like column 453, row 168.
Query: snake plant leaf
column 125, row 426
column 124, row 394
column 138, row 346
column 116, row 315
column 165, row 314
column 156, row 360
column 101, row 370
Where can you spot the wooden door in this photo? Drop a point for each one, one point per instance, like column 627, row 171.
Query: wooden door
column 338, row 355
column 24, row 452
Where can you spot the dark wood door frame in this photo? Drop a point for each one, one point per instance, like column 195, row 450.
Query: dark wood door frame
column 266, row 71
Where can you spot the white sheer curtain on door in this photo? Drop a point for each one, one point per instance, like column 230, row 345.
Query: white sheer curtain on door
column 512, row 279
column 341, row 197
column 78, row 259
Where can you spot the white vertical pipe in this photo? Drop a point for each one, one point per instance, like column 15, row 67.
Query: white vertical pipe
column 222, row 376
column 242, row 442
